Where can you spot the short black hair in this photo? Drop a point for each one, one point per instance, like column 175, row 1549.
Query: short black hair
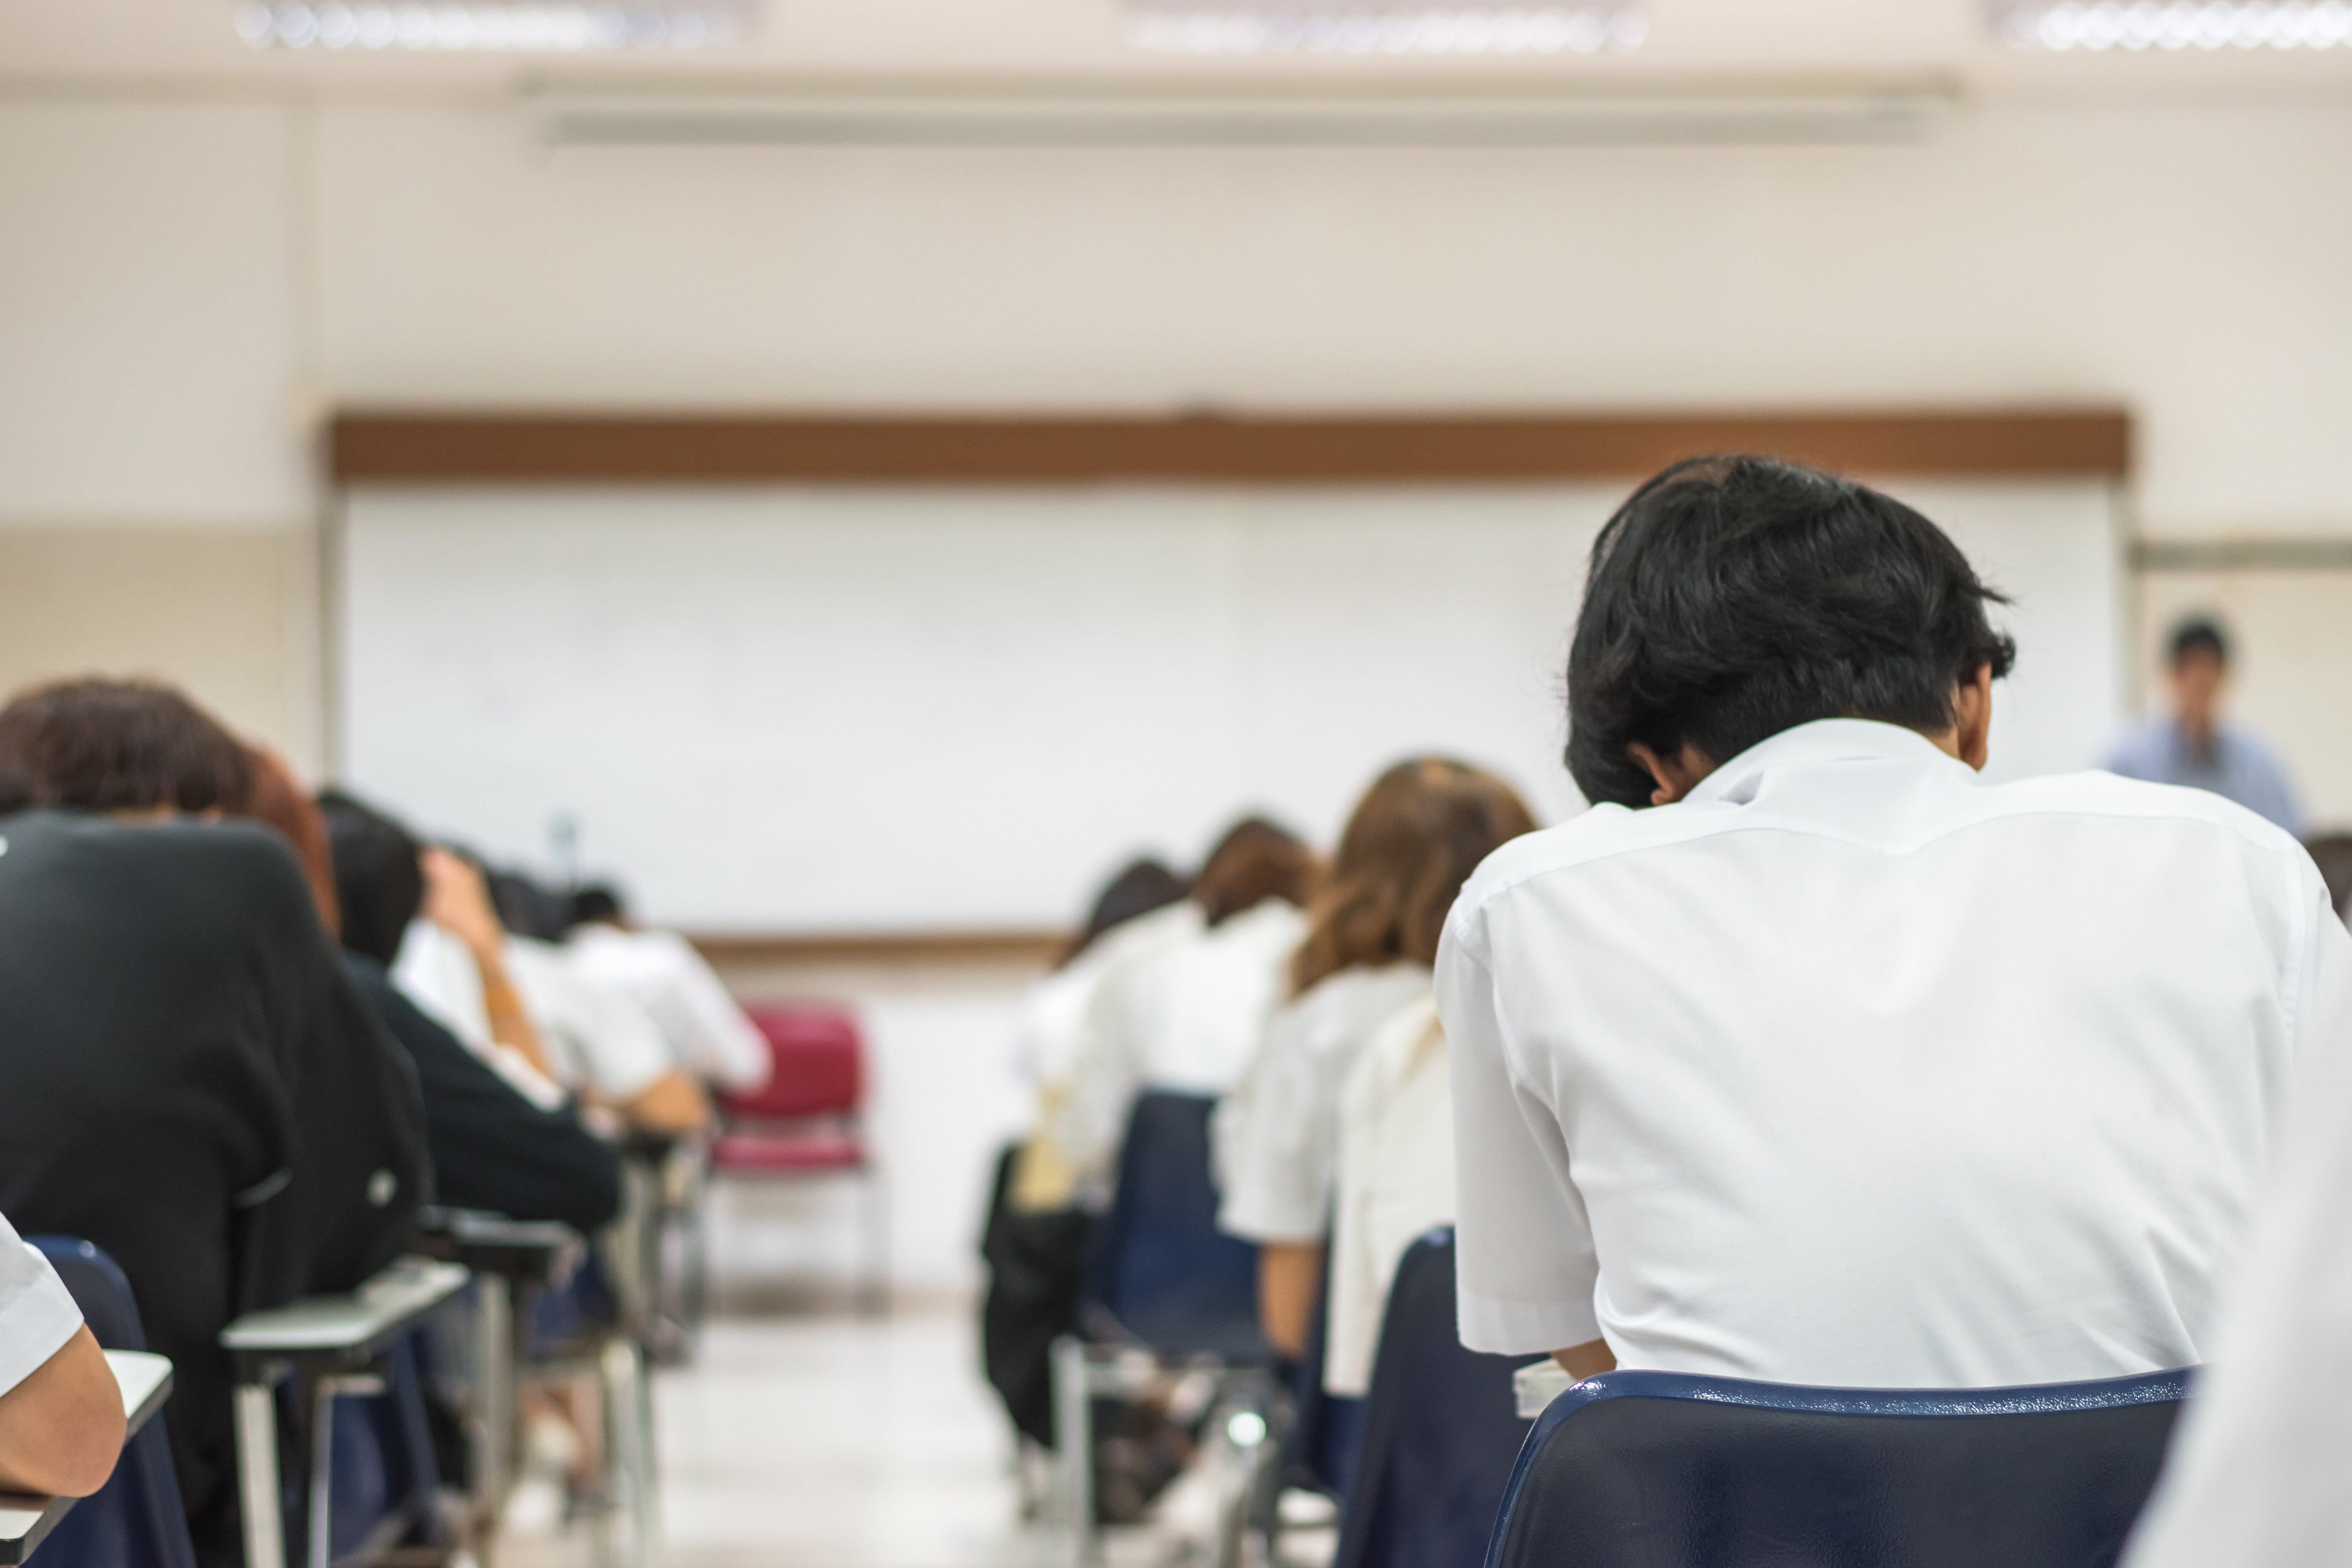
column 102, row 745
column 1734, row 598
column 598, row 903
column 2201, row 634
column 379, row 881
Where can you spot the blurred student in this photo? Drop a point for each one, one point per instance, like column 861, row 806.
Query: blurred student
column 1188, row 1016
column 2256, row 1476
column 2332, row 853
column 457, row 961
column 1806, row 1056
column 2192, row 746
column 1418, row 832
column 493, row 1148
column 61, row 1422
column 193, row 1083
column 708, row 1035
column 1035, row 1241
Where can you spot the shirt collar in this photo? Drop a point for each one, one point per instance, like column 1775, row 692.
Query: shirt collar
column 1822, row 740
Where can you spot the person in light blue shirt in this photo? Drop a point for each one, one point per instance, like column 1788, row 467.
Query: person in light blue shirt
column 2193, row 747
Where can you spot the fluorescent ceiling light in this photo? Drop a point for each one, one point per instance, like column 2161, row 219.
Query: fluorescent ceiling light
column 1375, row 27
column 2141, row 25
column 516, row 28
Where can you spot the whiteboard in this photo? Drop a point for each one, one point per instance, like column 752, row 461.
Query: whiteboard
column 855, row 709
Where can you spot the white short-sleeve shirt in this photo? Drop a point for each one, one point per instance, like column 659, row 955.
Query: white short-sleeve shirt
column 1396, row 1181
column 706, row 1032
column 1278, row 1134
column 596, row 1034
column 1851, row 1068
column 37, row 1317
column 1186, row 1015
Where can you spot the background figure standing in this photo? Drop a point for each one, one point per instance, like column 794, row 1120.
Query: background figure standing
column 2193, row 747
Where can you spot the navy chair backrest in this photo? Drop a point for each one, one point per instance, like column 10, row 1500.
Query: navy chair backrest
column 135, row 1520
column 1668, row 1471
column 1161, row 1269
column 1441, row 1430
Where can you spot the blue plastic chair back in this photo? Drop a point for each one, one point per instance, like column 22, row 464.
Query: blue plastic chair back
column 136, row 1520
column 1668, row 1471
column 1441, row 1430
column 1160, row 1267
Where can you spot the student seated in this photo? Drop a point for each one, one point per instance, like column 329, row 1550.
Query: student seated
column 1807, row 1056
column 516, row 1004
column 193, row 1082
column 61, row 1422
column 493, row 1148
column 1141, row 909
column 1188, row 1014
column 1418, row 832
column 706, row 1032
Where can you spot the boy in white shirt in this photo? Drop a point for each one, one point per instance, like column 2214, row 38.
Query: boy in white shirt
column 1840, row 1066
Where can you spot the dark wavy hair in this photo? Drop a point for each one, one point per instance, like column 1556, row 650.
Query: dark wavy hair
column 379, row 883
column 99, row 744
column 1409, row 845
column 1732, row 597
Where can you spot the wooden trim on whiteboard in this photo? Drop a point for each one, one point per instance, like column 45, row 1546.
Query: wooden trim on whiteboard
column 1037, row 947
column 456, row 448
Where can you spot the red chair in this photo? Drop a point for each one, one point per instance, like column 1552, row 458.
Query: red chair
column 808, row 1120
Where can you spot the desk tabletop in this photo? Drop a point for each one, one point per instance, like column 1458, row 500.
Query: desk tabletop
column 478, row 1227
column 25, row 1522
column 383, row 1306
column 1536, row 1384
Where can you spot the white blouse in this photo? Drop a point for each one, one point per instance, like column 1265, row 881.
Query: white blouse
column 37, row 1315
column 706, row 1032
column 1186, row 1015
column 1278, row 1134
column 1396, row 1181
column 1053, row 1022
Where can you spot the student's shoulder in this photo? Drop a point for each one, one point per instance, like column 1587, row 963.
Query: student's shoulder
column 201, row 862
column 2112, row 797
column 1601, row 833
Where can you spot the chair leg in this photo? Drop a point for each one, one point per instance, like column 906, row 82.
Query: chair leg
column 257, row 1466
column 873, row 1291
column 628, row 1449
column 1074, row 1443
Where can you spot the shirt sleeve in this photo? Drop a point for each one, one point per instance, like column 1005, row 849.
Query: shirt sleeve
column 2255, row 1477
column 726, row 1046
column 37, row 1315
column 1283, row 1157
column 1525, row 1253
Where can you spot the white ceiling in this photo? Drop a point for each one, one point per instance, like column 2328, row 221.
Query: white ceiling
column 189, row 43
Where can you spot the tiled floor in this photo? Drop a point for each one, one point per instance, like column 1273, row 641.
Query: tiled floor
column 828, row 1442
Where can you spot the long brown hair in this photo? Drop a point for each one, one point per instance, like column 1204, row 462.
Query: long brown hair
column 1412, row 841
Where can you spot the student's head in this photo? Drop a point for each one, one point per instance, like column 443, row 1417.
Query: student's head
column 1254, row 861
column 599, row 904
column 1140, row 887
column 127, row 746
column 2199, row 662
column 1732, row 598
column 1412, row 841
column 278, row 800
column 379, row 877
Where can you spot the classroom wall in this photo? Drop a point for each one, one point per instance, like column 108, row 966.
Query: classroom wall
column 186, row 283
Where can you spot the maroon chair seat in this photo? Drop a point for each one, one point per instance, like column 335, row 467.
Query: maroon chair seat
column 754, row 1152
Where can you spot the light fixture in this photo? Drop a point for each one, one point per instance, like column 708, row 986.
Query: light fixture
column 1377, row 27
column 2137, row 26
column 512, row 28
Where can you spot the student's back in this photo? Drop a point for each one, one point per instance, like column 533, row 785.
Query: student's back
column 1948, row 1084
column 191, row 1083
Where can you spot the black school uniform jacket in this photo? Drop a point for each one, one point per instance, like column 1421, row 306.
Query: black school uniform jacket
column 188, row 1079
